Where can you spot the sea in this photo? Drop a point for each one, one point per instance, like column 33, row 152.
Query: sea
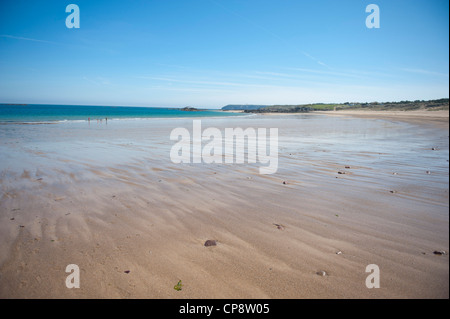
column 35, row 113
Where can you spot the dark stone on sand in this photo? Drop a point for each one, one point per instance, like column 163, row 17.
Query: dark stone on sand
column 284, row 183
column 280, row 227
column 321, row 273
column 347, row 167
column 210, row 242
column 127, row 271
column 341, row 172
column 440, row 252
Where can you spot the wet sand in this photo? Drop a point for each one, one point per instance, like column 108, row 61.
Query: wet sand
column 109, row 200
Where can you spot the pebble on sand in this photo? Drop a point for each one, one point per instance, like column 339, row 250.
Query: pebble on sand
column 321, row 273
column 440, row 252
column 210, row 242
column 280, row 227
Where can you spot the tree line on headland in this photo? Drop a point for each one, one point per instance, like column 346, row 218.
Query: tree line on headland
column 439, row 104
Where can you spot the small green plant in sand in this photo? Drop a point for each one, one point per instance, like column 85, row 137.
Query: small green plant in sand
column 177, row 287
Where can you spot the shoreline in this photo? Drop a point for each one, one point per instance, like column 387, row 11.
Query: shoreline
column 439, row 118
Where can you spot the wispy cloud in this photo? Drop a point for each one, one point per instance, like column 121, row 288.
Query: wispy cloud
column 190, row 89
column 190, row 81
column 25, row 39
column 321, row 72
column 424, row 72
column 97, row 81
column 252, row 79
column 275, row 74
column 315, row 59
column 304, row 75
column 172, row 65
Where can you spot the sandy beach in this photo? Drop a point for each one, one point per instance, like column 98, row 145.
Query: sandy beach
column 352, row 189
column 439, row 118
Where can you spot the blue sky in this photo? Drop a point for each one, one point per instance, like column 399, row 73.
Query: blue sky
column 209, row 53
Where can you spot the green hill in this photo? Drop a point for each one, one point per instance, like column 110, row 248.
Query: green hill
column 439, row 104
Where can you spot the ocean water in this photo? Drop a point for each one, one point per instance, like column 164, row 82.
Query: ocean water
column 51, row 113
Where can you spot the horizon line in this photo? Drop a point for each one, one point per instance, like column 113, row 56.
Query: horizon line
column 203, row 108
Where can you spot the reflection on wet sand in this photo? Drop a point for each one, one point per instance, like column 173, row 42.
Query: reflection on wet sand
column 349, row 192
